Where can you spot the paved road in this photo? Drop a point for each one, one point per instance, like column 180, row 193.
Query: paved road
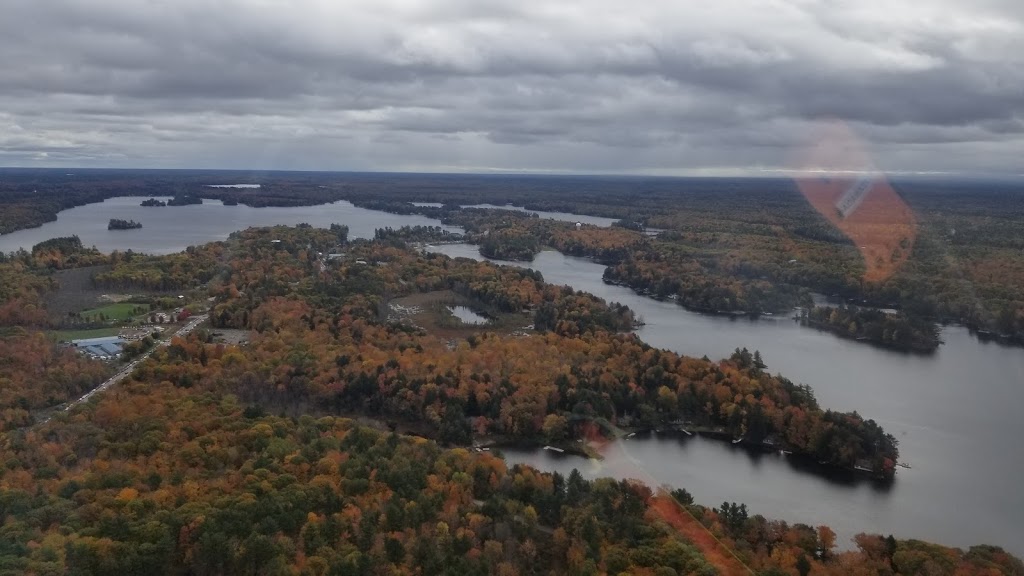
column 130, row 367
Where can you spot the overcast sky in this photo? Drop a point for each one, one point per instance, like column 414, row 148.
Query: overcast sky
column 635, row 86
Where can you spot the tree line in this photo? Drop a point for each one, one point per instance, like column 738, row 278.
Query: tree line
column 221, row 459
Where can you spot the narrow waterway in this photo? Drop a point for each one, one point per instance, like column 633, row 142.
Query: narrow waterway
column 954, row 412
column 563, row 216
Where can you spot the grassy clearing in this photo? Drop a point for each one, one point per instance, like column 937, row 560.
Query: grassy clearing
column 65, row 335
column 431, row 312
column 119, row 311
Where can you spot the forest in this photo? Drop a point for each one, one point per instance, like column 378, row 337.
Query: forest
column 185, row 199
column 755, row 246
column 417, row 234
column 889, row 329
column 735, row 245
column 237, row 459
column 577, row 368
column 186, row 467
column 337, row 439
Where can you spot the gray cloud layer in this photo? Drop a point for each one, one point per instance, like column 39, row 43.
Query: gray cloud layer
column 595, row 85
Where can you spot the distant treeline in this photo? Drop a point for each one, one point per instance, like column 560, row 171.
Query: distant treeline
column 731, row 244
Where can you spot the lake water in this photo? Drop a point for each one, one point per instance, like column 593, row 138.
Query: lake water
column 468, row 316
column 173, row 228
column 955, row 413
column 562, row 216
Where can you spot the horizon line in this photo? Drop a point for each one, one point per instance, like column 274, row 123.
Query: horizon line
column 759, row 173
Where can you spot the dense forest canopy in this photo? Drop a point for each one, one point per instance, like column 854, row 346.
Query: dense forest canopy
column 245, row 456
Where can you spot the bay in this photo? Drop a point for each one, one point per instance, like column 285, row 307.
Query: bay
column 955, row 414
column 170, row 229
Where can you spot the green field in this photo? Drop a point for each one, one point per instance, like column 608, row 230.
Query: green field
column 119, row 311
column 66, row 335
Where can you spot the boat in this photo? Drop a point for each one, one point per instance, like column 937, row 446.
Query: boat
column 737, row 441
column 685, row 431
column 553, row 448
column 785, row 452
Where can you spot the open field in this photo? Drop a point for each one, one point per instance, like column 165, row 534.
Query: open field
column 430, row 311
column 231, row 336
column 66, row 335
column 119, row 311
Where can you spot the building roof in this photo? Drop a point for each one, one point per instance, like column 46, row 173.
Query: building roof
column 98, row 341
column 107, row 346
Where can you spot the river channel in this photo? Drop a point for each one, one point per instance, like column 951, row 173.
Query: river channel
column 955, row 413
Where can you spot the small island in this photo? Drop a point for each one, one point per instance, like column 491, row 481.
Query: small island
column 153, row 202
column 510, row 244
column 118, row 224
column 184, row 200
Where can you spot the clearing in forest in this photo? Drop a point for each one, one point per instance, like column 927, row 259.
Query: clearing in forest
column 438, row 313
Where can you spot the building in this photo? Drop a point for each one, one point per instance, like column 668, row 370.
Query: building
column 108, row 347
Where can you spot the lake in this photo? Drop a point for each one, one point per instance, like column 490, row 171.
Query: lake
column 467, row 315
column 954, row 412
column 173, row 228
column 563, row 216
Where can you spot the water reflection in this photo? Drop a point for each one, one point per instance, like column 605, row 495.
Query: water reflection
column 467, row 315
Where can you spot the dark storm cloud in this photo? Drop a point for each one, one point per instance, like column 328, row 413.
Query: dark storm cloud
column 466, row 84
